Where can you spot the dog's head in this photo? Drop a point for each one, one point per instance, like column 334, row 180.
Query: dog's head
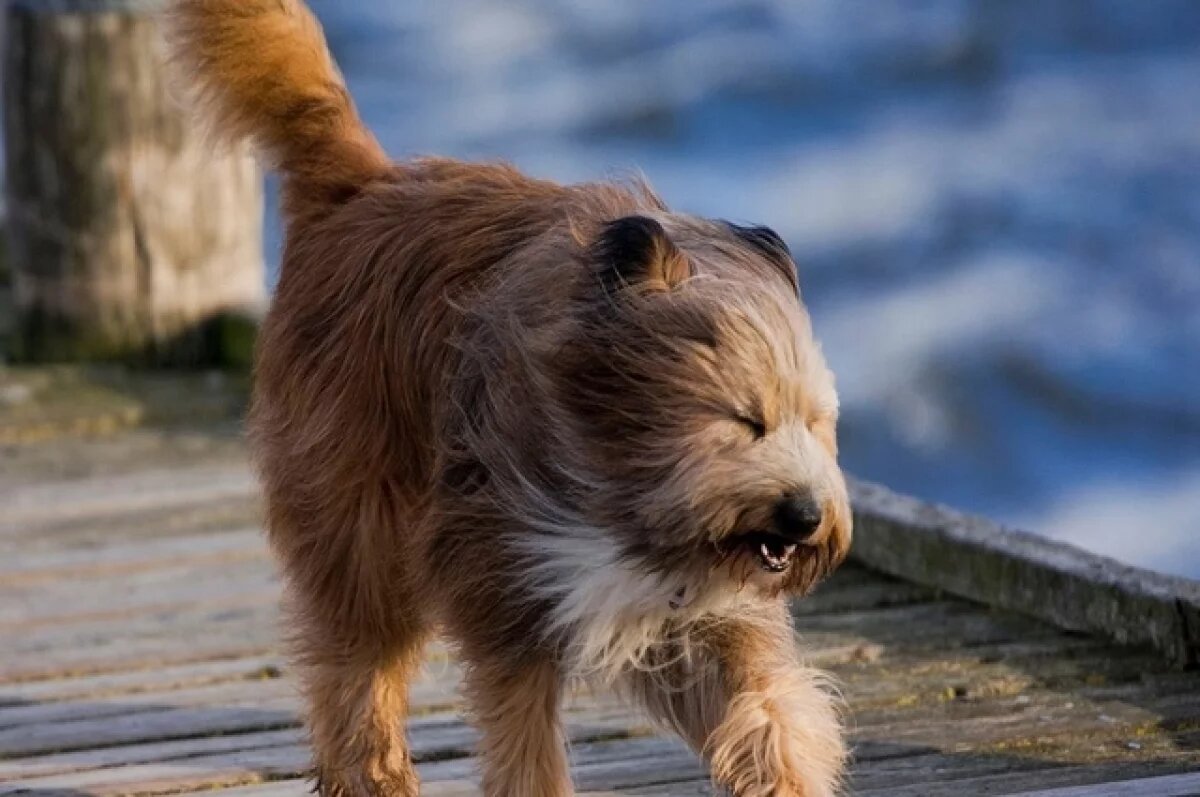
column 704, row 411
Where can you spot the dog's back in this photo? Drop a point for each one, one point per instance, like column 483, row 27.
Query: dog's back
column 347, row 354
column 356, row 353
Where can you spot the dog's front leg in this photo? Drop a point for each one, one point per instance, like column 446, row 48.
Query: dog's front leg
column 780, row 733
column 768, row 725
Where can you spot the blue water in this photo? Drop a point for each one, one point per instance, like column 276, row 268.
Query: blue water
column 995, row 206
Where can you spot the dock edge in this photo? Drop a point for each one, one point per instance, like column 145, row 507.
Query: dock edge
column 983, row 561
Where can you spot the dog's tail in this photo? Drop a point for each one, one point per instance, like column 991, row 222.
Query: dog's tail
column 263, row 72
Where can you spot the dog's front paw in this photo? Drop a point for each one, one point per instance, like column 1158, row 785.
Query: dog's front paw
column 771, row 748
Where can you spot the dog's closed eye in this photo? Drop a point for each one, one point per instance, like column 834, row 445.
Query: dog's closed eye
column 754, row 424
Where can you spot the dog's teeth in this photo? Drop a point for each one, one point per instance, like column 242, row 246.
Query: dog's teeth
column 765, row 550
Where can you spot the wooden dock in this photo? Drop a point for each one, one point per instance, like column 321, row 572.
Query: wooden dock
column 139, row 655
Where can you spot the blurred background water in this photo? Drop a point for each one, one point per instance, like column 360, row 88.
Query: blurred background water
column 995, row 205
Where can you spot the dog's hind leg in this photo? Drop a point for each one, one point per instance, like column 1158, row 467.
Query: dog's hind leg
column 516, row 707
column 738, row 694
column 358, row 701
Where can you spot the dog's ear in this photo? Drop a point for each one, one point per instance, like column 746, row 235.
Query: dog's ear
column 636, row 250
column 772, row 247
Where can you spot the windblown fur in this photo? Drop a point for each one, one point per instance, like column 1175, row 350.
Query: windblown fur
column 262, row 71
column 583, row 436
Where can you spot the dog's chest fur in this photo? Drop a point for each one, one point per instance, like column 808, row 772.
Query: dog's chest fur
column 613, row 616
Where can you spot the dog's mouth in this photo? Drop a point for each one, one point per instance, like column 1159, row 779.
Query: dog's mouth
column 772, row 553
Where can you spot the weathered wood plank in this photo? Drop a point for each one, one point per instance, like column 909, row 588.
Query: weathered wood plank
column 591, row 761
column 905, row 712
column 181, row 587
column 202, row 439
column 962, row 726
column 1185, row 785
column 38, row 567
column 248, row 711
column 916, row 680
column 27, row 607
column 1102, row 779
column 31, row 509
column 941, row 775
column 151, row 725
column 162, row 679
column 231, row 641
column 144, row 683
column 174, row 636
column 1069, row 587
column 940, row 624
column 189, row 633
column 149, row 752
column 959, row 727
column 438, row 688
column 118, row 709
column 185, row 520
column 435, row 737
column 286, row 787
column 853, row 588
column 282, row 787
column 894, row 772
column 205, row 771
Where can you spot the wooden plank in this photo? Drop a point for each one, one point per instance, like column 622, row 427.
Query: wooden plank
column 31, row 508
column 170, row 637
column 41, row 566
column 207, row 440
column 853, row 588
column 1185, row 785
column 894, row 772
column 152, row 725
column 941, row 782
column 597, row 767
column 148, row 524
column 145, row 684
column 435, row 737
column 438, row 688
column 1076, row 762
column 246, row 712
column 668, row 767
column 1069, row 587
column 960, row 726
column 163, row 679
column 117, row 709
column 145, row 753
column 457, row 777
column 26, row 606
column 921, row 626
column 285, row 787
column 964, row 725
column 1101, row 779
column 205, row 771
column 917, row 680
column 190, row 633
column 230, row 641
column 936, row 720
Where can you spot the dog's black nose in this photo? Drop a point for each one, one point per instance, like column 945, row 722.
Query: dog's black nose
column 797, row 516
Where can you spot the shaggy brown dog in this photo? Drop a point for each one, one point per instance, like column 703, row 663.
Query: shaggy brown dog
column 580, row 434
